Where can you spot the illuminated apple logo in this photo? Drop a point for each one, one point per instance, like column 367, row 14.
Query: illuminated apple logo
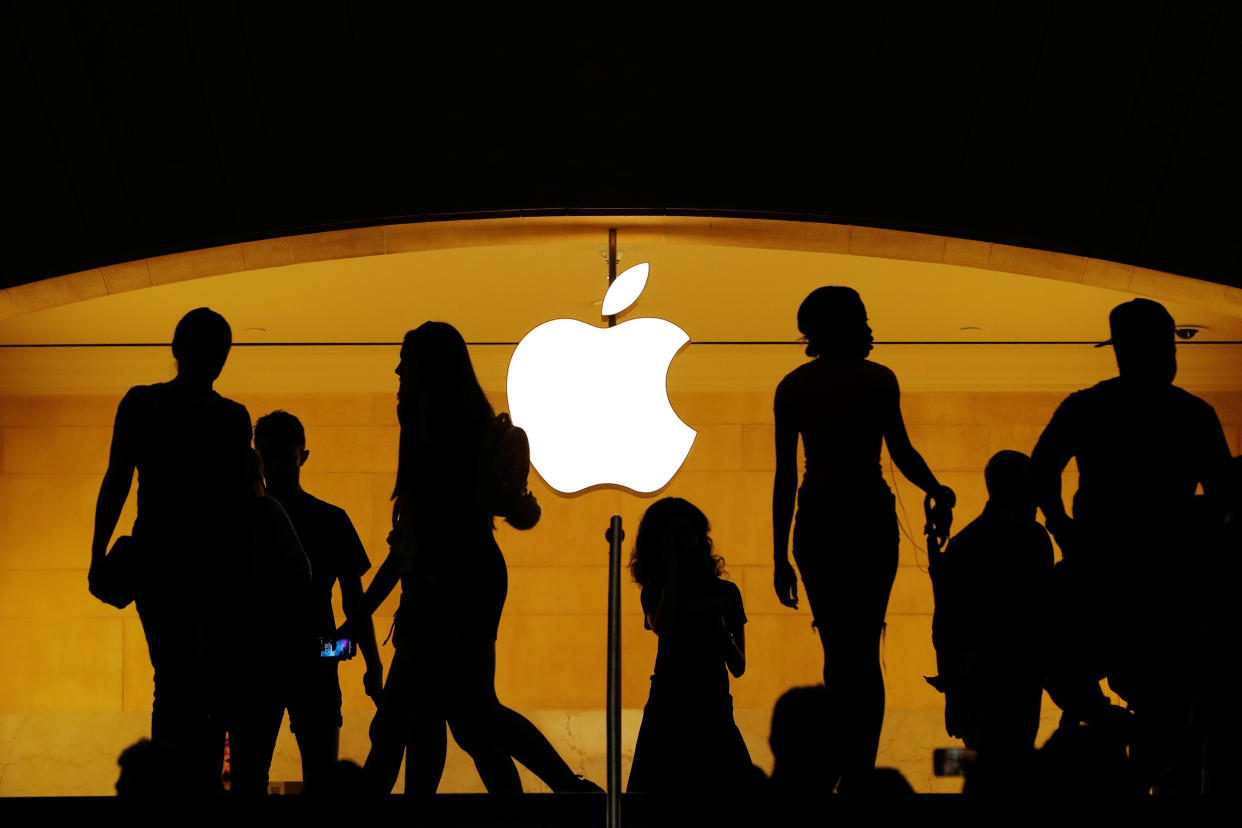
column 594, row 401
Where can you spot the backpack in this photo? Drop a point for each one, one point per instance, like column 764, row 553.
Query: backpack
column 504, row 466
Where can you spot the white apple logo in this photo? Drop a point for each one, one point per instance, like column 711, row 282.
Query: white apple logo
column 594, row 401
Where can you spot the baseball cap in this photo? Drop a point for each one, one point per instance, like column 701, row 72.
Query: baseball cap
column 1138, row 320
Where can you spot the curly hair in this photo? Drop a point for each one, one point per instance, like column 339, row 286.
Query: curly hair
column 662, row 519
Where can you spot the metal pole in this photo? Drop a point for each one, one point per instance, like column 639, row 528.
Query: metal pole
column 612, row 266
column 615, row 536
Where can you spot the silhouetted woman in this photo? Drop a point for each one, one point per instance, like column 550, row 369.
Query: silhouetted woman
column 688, row 740
column 453, row 585
column 182, row 438
column 845, row 539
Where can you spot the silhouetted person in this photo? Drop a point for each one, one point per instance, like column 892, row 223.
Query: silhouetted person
column 993, row 590
column 182, row 438
column 688, row 741
column 845, row 540
column 1131, row 582
column 163, row 770
column 336, row 555
column 806, row 740
column 264, row 634
column 453, row 586
column 1220, row 716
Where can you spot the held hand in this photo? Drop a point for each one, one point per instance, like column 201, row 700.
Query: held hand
column 786, row 583
column 944, row 497
column 1065, row 532
column 373, row 683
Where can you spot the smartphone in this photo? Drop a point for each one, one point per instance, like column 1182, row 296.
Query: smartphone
column 952, row 761
column 338, row 648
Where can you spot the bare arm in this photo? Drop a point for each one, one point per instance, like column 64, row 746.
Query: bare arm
column 735, row 648
column 1052, row 453
column 784, row 495
column 386, row 578
column 362, row 629
column 907, row 459
column 114, row 489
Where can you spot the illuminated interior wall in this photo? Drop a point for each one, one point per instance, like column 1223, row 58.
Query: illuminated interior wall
column 76, row 684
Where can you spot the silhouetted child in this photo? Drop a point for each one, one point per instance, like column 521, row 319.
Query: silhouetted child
column 992, row 594
column 336, row 555
column 688, row 741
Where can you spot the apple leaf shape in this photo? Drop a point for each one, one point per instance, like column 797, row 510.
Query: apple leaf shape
column 625, row 289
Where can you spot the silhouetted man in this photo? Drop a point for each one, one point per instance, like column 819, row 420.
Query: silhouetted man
column 183, row 439
column 1130, row 583
column 992, row 592
column 313, row 693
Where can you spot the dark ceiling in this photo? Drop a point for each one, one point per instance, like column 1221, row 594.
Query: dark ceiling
column 1109, row 130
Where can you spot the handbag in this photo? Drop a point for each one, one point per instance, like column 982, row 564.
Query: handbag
column 118, row 578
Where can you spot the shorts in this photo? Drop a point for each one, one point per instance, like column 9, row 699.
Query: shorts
column 314, row 696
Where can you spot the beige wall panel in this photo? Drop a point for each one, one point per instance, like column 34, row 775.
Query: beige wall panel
column 384, row 407
column 68, row 450
column 716, row 448
column 758, row 594
column 736, row 504
column 700, row 408
column 312, row 409
column 1228, row 404
column 553, row 661
column 951, row 447
column 782, row 651
column 66, row 665
column 758, row 447
column 138, row 681
column 64, row 754
column 1013, row 437
column 560, row 590
column 355, row 449
column 52, row 594
column 57, row 410
column 639, row 647
column 571, row 531
column 912, row 592
column 46, row 520
column 909, row 656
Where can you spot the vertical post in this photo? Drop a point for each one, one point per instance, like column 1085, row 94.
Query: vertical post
column 612, row 266
column 615, row 536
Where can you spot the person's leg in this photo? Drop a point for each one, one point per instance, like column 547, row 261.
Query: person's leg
column 252, row 740
column 181, row 710
column 492, row 733
column 849, row 596
column 404, row 717
column 315, row 718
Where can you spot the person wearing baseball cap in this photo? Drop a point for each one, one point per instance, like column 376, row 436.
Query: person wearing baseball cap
column 1134, row 556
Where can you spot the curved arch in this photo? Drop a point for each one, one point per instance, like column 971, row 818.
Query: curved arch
column 709, row 230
